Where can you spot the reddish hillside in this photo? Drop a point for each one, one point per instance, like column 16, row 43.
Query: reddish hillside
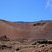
column 25, row 30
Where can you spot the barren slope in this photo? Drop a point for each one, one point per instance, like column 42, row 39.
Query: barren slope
column 26, row 31
column 30, row 36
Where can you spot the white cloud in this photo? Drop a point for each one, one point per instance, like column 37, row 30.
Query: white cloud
column 49, row 4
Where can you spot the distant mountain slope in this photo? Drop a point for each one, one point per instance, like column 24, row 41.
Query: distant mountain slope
column 26, row 30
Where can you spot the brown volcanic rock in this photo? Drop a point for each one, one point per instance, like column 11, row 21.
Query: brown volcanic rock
column 26, row 31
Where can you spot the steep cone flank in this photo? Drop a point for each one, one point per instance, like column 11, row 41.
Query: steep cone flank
column 28, row 31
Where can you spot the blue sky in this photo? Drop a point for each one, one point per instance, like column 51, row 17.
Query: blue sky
column 26, row 10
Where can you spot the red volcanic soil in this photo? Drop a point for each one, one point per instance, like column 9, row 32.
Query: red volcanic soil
column 26, row 30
